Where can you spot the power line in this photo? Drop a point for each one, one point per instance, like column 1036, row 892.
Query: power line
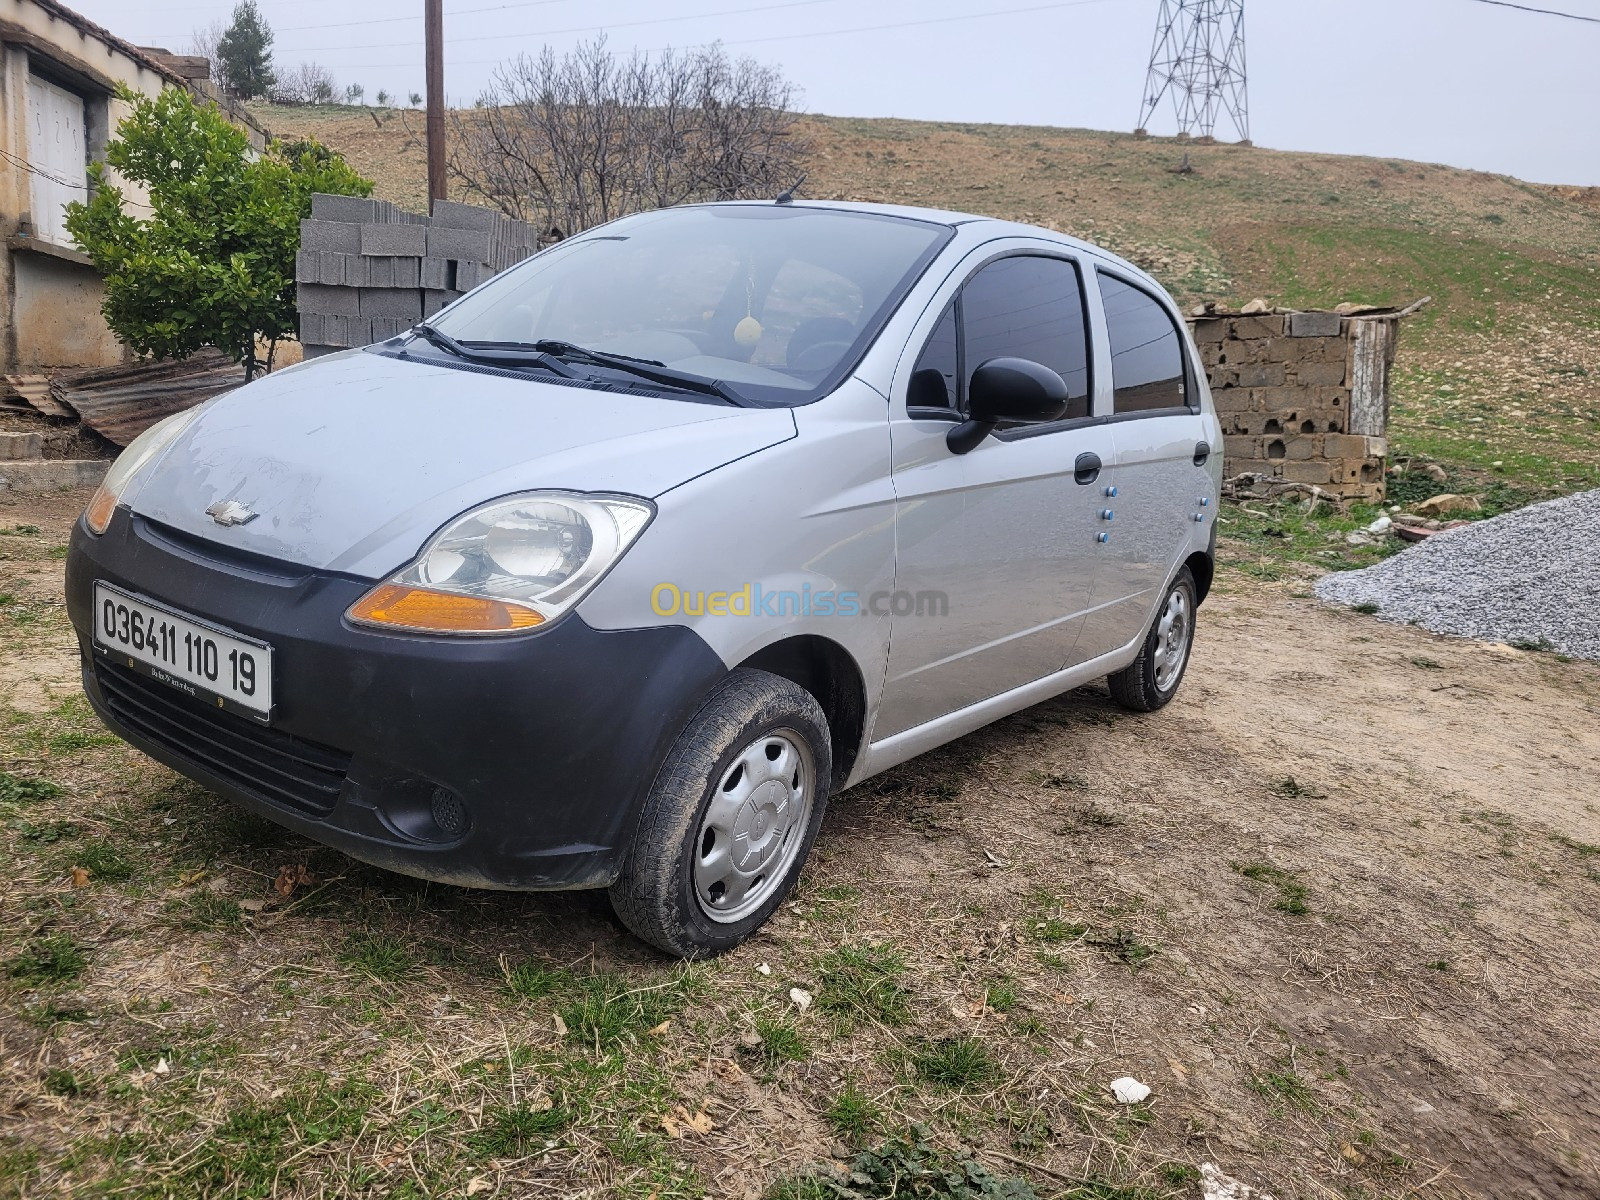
column 779, row 37
column 501, row 36
column 1544, row 12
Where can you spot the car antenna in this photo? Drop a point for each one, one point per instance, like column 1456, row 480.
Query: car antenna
column 787, row 196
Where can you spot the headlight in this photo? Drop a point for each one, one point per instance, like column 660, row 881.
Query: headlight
column 507, row 566
column 141, row 452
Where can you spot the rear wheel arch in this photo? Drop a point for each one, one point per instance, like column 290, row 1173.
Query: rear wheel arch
column 1202, row 567
column 829, row 672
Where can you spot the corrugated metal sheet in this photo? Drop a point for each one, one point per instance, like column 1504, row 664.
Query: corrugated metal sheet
column 34, row 391
column 120, row 403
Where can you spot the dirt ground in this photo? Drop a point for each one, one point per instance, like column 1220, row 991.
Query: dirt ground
column 1337, row 905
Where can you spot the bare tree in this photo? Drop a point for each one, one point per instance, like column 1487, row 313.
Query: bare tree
column 573, row 141
column 203, row 42
column 309, row 83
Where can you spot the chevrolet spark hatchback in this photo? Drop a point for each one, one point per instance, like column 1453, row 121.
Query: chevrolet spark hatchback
column 613, row 572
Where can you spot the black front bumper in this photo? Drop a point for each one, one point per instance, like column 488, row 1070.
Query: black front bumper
column 546, row 741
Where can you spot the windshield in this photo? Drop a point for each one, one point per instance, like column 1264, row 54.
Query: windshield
column 779, row 302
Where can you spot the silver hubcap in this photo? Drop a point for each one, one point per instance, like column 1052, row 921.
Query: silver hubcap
column 754, row 825
column 1172, row 639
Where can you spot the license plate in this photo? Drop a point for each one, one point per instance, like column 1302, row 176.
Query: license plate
column 220, row 668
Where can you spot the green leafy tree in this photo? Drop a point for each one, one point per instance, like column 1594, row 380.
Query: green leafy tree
column 244, row 53
column 213, row 262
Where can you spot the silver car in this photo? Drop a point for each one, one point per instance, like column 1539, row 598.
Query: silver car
column 614, row 571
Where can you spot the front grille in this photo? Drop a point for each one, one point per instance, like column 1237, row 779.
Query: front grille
column 269, row 763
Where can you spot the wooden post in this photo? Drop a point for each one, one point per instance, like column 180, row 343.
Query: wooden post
column 434, row 23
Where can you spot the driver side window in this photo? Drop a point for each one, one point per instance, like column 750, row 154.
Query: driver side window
column 1023, row 306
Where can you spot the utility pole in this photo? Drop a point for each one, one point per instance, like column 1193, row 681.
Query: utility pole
column 434, row 22
column 1198, row 57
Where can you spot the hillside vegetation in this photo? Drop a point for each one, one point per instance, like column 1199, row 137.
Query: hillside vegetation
column 1499, row 380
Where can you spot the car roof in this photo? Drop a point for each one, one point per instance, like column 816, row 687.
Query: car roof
column 987, row 227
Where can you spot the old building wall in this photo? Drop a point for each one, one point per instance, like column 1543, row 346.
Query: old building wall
column 1303, row 396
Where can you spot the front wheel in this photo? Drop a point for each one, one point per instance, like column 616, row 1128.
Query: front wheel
column 730, row 820
column 1152, row 679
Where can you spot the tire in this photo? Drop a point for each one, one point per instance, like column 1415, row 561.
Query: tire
column 742, row 752
column 1150, row 681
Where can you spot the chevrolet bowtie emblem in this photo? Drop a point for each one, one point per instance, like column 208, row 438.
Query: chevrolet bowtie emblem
column 231, row 512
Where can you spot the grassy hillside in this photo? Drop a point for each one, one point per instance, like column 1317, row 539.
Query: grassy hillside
column 1499, row 380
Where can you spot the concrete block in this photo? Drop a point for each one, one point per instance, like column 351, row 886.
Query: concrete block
column 1319, row 374
column 348, row 331
column 384, row 328
column 448, row 214
column 1210, row 329
column 1328, row 399
column 15, row 446
column 1257, row 327
column 407, row 272
column 380, row 272
column 1235, row 399
column 1315, row 325
column 1223, row 377
column 1307, row 472
column 1283, row 399
column 1304, row 447
column 456, row 243
column 328, row 300
column 1274, row 449
column 433, row 299
column 316, row 350
column 437, row 273
column 1262, row 375
column 470, row 274
column 401, row 303
column 313, row 328
column 356, row 209
column 1234, row 446
column 1346, row 445
column 394, row 240
column 1253, row 350
column 355, row 271
column 307, row 266
column 52, row 475
column 335, row 237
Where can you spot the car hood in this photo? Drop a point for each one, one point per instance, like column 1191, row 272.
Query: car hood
column 352, row 461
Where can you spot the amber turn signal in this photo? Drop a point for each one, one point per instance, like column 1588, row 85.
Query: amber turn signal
column 399, row 607
column 101, row 505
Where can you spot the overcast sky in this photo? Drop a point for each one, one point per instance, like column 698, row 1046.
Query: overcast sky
column 1453, row 81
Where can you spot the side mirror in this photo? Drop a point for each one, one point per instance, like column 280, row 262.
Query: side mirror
column 1008, row 389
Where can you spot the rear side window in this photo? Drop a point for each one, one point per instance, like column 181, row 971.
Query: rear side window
column 1146, row 351
column 1027, row 307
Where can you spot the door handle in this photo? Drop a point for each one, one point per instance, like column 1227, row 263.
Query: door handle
column 1202, row 451
column 1086, row 469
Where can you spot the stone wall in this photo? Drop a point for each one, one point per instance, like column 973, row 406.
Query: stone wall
column 368, row 271
column 1303, row 396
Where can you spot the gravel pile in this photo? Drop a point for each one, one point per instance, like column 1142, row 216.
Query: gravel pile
column 1525, row 577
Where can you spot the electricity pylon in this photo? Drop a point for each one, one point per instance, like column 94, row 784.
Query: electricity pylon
column 1197, row 59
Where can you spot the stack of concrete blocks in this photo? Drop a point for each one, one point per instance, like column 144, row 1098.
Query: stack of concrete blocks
column 1303, row 396
column 368, row 271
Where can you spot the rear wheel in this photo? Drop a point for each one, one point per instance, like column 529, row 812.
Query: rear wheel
column 1152, row 679
column 730, row 820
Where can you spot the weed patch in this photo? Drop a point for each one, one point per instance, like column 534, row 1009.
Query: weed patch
column 960, row 1063
column 54, row 959
column 858, row 983
column 908, row 1169
column 1292, row 894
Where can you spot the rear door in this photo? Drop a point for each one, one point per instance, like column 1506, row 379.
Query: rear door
column 1005, row 536
column 1160, row 450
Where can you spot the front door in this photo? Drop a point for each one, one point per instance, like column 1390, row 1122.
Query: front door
column 995, row 548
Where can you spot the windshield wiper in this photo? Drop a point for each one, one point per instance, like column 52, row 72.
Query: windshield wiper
column 645, row 368
column 511, row 355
